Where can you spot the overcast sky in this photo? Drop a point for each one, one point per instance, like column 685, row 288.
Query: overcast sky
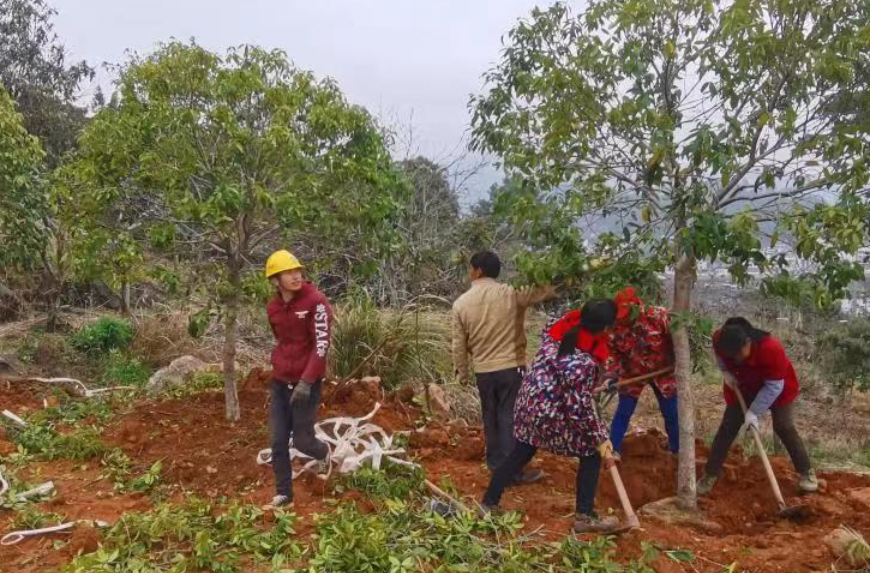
column 408, row 61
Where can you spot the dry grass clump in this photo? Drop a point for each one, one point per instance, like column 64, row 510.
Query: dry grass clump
column 161, row 338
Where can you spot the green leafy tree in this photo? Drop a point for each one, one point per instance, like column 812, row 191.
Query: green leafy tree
column 692, row 128
column 21, row 200
column 220, row 157
column 35, row 71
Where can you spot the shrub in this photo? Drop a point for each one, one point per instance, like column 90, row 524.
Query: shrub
column 846, row 352
column 122, row 370
column 411, row 344
column 104, row 335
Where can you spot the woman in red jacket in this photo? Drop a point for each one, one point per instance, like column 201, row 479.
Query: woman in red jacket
column 754, row 363
column 301, row 319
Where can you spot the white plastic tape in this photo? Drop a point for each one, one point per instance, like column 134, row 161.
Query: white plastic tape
column 351, row 442
column 38, row 491
column 4, row 485
column 18, row 421
column 19, row 536
column 80, row 386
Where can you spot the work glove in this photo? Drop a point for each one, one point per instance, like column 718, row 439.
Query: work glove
column 750, row 420
column 605, row 449
column 609, row 384
column 301, row 394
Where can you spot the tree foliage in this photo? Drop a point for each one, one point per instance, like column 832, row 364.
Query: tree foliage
column 692, row 129
column 21, row 199
column 214, row 159
column 35, row 71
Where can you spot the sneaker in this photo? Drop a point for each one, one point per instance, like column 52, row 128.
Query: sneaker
column 486, row 509
column 705, row 485
column 527, row 477
column 593, row 524
column 279, row 501
column 808, row 483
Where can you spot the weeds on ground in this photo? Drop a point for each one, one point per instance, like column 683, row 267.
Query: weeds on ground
column 41, row 437
column 119, row 467
column 119, row 369
column 104, row 335
column 199, row 382
column 32, row 518
column 46, row 443
column 192, row 537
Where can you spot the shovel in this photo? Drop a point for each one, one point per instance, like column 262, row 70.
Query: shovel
column 795, row 512
column 611, row 391
column 632, row 522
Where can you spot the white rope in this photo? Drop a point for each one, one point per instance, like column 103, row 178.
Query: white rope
column 81, row 387
column 19, row 536
column 351, row 443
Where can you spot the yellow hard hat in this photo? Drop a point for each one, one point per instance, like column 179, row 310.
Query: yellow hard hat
column 281, row 261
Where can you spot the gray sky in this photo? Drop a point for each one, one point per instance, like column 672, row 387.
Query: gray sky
column 410, row 62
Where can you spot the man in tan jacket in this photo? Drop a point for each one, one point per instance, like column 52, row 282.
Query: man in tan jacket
column 489, row 327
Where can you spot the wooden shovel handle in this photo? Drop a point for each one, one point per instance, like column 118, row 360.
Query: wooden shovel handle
column 630, row 516
column 443, row 494
column 637, row 379
column 768, row 469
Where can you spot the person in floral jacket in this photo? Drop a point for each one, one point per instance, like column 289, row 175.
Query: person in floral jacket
column 555, row 411
column 640, row 343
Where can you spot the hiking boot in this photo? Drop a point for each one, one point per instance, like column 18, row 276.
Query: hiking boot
column 279, row 502
column 705, row 485
column 808, row 483
column 584, row 523
column 527, row 477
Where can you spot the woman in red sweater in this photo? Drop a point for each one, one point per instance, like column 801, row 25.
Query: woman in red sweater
column 754, row 363
column 301, row 319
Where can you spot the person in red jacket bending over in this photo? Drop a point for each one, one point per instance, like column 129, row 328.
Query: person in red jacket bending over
column 301, row 319
column 754, row 363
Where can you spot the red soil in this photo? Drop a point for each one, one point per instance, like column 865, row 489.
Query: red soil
column 205, row 454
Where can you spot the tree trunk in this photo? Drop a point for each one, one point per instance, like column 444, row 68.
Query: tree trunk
column 684, row 283
column 231, row 308
column 125, row 299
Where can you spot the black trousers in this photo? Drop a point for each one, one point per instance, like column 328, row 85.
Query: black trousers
column 297, row 421
column 498, row 395
column 783, row 426
column 585, row 488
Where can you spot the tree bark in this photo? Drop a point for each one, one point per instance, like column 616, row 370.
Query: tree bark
column 231, row 307
column 684, row 284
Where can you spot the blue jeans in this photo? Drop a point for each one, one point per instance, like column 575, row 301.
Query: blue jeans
column 625, row 410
